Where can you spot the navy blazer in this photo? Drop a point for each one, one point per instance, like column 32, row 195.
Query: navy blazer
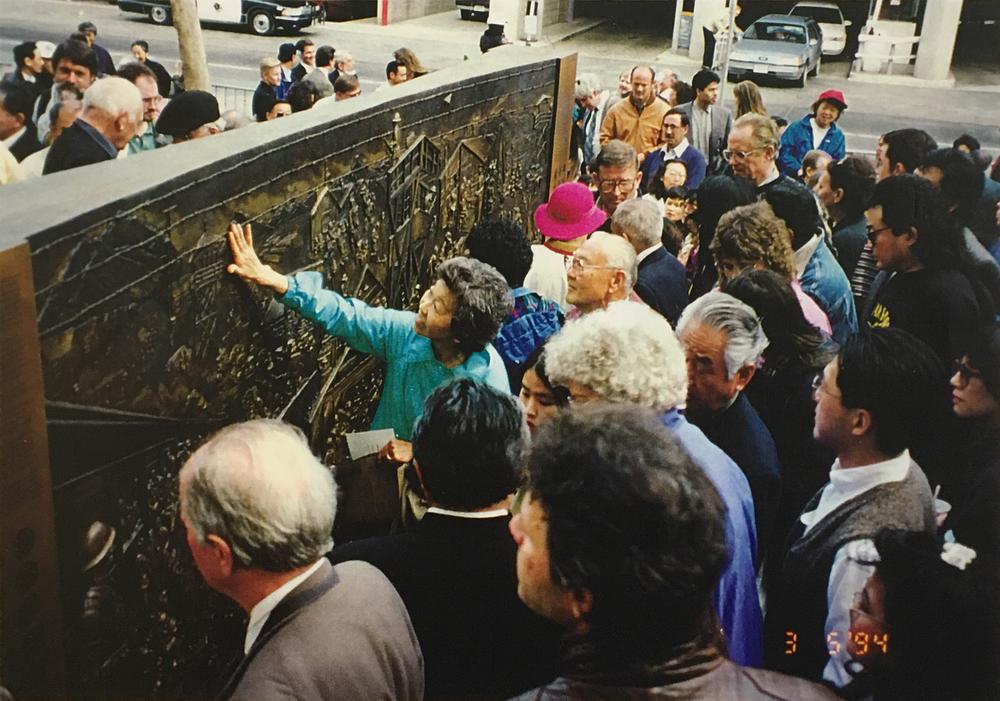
column 662, row 284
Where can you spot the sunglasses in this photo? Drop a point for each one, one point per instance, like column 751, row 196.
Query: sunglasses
column 873, row 233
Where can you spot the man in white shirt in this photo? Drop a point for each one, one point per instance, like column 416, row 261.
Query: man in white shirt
column 258, row 509
column 871, row 401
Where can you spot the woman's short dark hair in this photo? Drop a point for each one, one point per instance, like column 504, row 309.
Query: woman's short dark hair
column 634, row 521
column 939, row 620
column 503, row 244
column 656, row 187
column 907, row 147
column 968, row 141
column 854, row 175
column 984, row 356
column 469, row 445
column 961, row 183
column 482, row 301
column 898, row 379
column 909, row 201
column 536, row 362
column 142, row 44
column 791, row 338
column 717, row 195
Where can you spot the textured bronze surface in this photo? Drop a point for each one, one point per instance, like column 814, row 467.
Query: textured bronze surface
column 147, row 345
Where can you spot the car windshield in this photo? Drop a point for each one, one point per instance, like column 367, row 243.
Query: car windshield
column 775, row 31
column 823, row 15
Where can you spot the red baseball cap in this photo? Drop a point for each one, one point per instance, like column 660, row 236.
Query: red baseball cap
column 833, row 95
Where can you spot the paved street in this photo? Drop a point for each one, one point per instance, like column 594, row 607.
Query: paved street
column 443, row 40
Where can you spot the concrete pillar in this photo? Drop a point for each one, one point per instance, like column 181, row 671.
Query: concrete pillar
column 937, row 39
column 677, row 28
column 705, row 13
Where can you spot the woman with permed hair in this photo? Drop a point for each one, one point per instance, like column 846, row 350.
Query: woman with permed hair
column 448, row 337
column 752, row 236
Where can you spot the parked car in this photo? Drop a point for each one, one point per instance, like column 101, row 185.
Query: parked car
column 344, row 10
column 831, row 22
column 781, row 46
column 473, row 9
column 263, row 17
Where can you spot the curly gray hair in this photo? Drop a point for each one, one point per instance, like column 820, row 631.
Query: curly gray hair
column 257, row 486
column 482, row 301
column 745, row 337
column 626, row 353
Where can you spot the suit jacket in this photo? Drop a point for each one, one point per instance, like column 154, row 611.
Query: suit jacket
column 458, row 579
column 722, row 123
column 342, row 634
column 163, row 80
column 662, row 284
column 105, row 64
column 26, row 145
column 299, row 72
column 74, row 148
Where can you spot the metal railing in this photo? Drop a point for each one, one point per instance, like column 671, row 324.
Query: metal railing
column 231, row 97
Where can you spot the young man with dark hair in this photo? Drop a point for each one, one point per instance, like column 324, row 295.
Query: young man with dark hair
column 455, row 571
column 142, row 76
column 324, row 59
column 710, row 122
column 871, row 404
column 28, row 73
column 900, row 151
column 286, row 57
column 74, row 67
column 621, row 542
column 17, row 132
column 346, row 86
column 306, row 50
column 395, row 74
column 140, row 52
column 919, row 248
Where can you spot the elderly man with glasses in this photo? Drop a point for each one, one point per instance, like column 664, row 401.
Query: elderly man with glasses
column 753, row 152
column 603, row 271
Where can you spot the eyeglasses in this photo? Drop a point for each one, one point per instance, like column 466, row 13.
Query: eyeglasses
column 873, row 233
column 817, row 385
column 965, row 372
column 577, row 266
column 731, row 155
column 623, row 185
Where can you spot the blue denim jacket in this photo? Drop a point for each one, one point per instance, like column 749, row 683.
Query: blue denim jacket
column 824, row 280
column 797, row 141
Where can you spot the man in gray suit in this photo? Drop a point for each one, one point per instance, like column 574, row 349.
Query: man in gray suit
column 258, row 508
column 709, row 123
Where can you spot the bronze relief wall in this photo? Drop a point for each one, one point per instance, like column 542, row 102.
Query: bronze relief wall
column 146, row 345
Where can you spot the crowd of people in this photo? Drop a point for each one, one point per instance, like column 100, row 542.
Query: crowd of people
column 74, row 90
column 700, row 442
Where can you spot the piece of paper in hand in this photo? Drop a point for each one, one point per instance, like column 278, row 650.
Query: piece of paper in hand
column 365, row 443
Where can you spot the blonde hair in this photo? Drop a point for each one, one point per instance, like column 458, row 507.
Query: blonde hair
column 765, row 131
column 748, row 99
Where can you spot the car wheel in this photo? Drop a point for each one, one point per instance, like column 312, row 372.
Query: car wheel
column 815, row 70
column 262, row 24
column 159, row 14
column 466, row 14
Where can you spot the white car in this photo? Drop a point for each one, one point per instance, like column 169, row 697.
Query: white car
column 831, row 21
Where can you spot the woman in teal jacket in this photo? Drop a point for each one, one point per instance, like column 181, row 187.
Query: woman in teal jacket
column 800, row 137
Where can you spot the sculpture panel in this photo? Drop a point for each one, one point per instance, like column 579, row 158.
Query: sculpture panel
column 147, row 345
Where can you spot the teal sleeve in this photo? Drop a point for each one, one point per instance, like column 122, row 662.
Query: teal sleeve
column 374, row 330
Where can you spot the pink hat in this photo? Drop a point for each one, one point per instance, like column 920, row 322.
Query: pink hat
column 569, row 214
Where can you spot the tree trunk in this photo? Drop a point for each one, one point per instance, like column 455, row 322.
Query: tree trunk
column 193, row 61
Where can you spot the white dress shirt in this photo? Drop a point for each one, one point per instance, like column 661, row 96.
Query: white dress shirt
column 848, row 573
column 492, row 513
column 260, row 612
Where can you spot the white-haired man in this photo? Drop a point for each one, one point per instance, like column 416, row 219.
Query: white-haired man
column 629, row 354
column 112, row 114
column 258, row 509
column 593, row 102
column 723, row 340
column 661, row 281
column 603, row 271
